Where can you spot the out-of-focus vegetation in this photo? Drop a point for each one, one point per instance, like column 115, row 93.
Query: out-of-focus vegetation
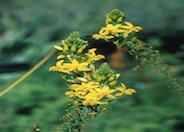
column 29, row 29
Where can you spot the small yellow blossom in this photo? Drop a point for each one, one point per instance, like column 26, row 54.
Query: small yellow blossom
column 122, row 90
column 92, row 99
column 60, row 67
column 85, row 86
column 77, row 67
column 72, row 94
column 129, row 28
column 112, row 29
column 102, row 36
column 104, row 92
column 92, row 55
column 108, row 32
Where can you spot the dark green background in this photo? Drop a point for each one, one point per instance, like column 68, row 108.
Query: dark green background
column 29, row 29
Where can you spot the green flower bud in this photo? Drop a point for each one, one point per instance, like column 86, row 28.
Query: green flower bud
column 115, row 17
column 81, row 49
column 73, row 48
column 112, row 83
column 65, row 47
column 117, row 75
column 112, row 78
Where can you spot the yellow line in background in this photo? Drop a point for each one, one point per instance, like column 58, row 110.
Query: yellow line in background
column 18, row 81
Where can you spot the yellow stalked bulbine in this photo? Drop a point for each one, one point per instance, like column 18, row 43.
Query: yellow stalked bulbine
column 92, row 99
column 77, row 67
column 85, row 86
column 89, row 86
column 92, row 56
column 108, row 32
column 129, row 28
column 72, row 94
column 104, row 92
column 102, row 35
column 116, row 28
column 112, row 31
column 74, row 66
column 91, row 90
column 60, row 67
column 123, row 90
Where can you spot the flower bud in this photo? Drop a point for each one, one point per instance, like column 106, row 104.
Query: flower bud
column 81, row 49
column 112, row 83
column 65, row 47
column 112, row 78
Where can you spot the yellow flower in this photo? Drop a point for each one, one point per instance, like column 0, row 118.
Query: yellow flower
column 108, row 32
column 112, row 29
column 77, row 67
column 60, row 67
column 102, row 36
column 104, row 92
column 122, row 90
column 129, row 28
column 85, row 86
column 92, row 55
column 92, row 99
column 72, row 94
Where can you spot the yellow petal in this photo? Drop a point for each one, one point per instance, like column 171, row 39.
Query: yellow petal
column 60, row 57
column 53, row 68
column 82, row 79
column 58, row 47
column 129, row 24
column 59, row 63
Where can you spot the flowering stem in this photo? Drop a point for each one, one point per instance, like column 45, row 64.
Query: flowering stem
column 146, row 54
column 74, row 120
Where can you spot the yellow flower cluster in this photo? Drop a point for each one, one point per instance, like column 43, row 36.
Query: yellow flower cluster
column 116, row 27
column 71, row 58
column 92, row 93
column 74, row 66
column 117, row 30
column 87, row 86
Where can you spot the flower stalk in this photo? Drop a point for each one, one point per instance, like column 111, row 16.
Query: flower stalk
column 123, row 35
column 90, row 90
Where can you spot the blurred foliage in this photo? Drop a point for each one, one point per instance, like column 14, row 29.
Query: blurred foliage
column 30, row 26
column 29, row 29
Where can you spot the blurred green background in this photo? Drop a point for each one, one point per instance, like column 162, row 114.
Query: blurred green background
column 30, row 28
